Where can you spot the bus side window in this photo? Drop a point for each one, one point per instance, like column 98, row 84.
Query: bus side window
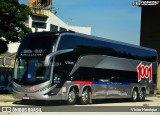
column 114, row 79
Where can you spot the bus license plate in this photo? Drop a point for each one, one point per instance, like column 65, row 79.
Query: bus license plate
column 25, row 97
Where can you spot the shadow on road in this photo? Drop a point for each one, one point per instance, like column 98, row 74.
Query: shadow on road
column 111, row 101
column 63, row 103
column 40, row 103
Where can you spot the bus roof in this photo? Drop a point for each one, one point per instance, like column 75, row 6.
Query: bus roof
column 109, row 40
column 47, row 33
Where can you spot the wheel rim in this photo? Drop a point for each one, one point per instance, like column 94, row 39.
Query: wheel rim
column 85, row 96
column 134, row 95
column 141, row 95
column 72, row 96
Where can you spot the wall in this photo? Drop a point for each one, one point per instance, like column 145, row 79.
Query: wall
column 150, row 31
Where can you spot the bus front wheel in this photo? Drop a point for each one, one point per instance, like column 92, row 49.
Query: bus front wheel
column 72, row 97
column 84, row 99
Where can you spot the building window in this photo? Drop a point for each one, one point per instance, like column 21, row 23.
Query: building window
column 38, row 18
column 38, row 25
column 53, row 28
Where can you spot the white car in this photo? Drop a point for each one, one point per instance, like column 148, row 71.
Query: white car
column 6, row 89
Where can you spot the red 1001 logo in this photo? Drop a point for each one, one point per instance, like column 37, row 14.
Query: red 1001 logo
column 144, row 72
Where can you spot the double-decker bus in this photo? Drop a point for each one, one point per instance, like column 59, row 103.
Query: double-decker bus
column 75, row 68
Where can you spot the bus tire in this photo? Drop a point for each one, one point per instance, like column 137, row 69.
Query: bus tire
column 72, row 97
column 85, row 98
column 141, row 95
column 134, row 97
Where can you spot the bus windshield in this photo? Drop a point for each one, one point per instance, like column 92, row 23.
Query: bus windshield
column 31, row 71
column 37, row 45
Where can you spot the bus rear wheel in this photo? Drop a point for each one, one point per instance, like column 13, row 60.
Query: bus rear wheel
column 72, row 97
column 134, row 97
column 84, row 99
column 141, row 95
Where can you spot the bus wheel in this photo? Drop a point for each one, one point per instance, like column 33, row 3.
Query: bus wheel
column 84, row 99
column 72, row 97
column 141, row 95
column 134, row 97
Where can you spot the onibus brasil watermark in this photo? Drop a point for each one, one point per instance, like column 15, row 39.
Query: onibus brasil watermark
column 21, row 109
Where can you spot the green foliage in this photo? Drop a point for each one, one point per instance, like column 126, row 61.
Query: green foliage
column 12, row 22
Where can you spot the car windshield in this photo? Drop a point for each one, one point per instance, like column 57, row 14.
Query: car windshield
column 31, row 71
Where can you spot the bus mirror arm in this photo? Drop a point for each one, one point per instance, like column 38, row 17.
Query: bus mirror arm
column 49, row 56
column 5, row 58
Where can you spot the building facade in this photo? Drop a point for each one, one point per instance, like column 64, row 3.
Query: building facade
column 45, row 20
column 150, row 32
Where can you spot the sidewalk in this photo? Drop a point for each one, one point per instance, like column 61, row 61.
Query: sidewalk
column 7, row 98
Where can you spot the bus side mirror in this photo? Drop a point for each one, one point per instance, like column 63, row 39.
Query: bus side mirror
column 49, row 56
column 5, row 58
column 48, row 59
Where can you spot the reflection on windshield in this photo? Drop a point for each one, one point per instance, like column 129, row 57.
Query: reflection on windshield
column 29, row 71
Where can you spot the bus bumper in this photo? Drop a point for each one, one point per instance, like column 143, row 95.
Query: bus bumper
column 36, row 96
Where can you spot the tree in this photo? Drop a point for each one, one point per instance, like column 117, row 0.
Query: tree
column 12, row 22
